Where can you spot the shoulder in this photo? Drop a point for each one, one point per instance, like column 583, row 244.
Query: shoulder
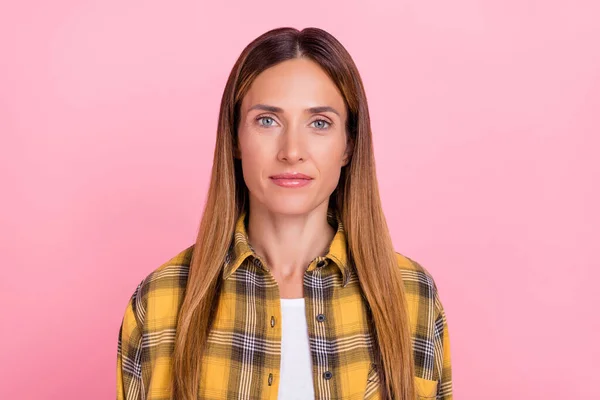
column 171, row 275
column 414, row 273
column 160, row 293
column 420, row 288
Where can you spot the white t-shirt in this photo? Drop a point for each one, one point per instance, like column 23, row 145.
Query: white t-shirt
column 296, row 381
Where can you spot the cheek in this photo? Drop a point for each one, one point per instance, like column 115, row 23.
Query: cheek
column 329, row 165
column 330, row 170
column 251, row 165
column 253, row 159
column 252, row 143
column 329, row 154
column 329, row 161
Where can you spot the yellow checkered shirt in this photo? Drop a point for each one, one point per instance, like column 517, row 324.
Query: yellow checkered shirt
column 243, row 352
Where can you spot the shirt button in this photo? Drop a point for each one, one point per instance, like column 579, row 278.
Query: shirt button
column 327, row 375
column 270, row 379
column 321, row 317
column 321, row 264
column 272, row 321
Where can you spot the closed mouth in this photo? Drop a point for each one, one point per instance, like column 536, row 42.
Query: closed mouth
column 291, row 176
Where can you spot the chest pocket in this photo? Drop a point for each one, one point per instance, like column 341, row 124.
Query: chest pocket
column 426, row 389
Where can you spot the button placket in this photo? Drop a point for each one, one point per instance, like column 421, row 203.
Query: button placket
column 273, row 330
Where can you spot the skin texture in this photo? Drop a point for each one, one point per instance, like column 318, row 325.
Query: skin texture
column 288, row 226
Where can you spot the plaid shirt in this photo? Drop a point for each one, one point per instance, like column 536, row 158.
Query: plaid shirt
column 243, row 350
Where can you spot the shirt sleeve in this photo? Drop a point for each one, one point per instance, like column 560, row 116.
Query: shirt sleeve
column 442, row 353
column 129, row 368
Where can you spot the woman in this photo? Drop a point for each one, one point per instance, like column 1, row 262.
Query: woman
column 293, row 289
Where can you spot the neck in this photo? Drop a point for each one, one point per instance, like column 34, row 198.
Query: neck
column 288, row 243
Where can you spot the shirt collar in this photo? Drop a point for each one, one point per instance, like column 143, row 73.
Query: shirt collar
column 241, row 249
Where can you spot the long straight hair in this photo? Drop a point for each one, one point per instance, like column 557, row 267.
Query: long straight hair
column 356, row 198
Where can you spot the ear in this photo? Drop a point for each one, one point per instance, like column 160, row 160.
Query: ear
column 348, row 153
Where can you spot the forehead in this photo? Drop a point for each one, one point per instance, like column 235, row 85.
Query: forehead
column 294, row 84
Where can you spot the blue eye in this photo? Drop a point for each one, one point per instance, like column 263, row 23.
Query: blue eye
column 321, row 124
column 269, row 122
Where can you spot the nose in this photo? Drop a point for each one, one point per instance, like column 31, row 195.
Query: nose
column 292, row 147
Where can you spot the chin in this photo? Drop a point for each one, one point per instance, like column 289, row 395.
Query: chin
column 290, row 206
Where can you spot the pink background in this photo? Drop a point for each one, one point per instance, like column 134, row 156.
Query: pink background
column 486, row 123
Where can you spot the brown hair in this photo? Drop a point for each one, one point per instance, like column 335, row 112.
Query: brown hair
column 356, row 198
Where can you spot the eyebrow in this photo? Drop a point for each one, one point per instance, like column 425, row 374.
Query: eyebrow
column 312, row 110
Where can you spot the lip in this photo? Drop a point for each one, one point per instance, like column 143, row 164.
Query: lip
column 291, row 175
column 291, row 180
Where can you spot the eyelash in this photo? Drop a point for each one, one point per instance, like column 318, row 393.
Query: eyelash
column 329, row 124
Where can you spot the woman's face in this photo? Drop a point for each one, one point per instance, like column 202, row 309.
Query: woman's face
column 292, row 121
